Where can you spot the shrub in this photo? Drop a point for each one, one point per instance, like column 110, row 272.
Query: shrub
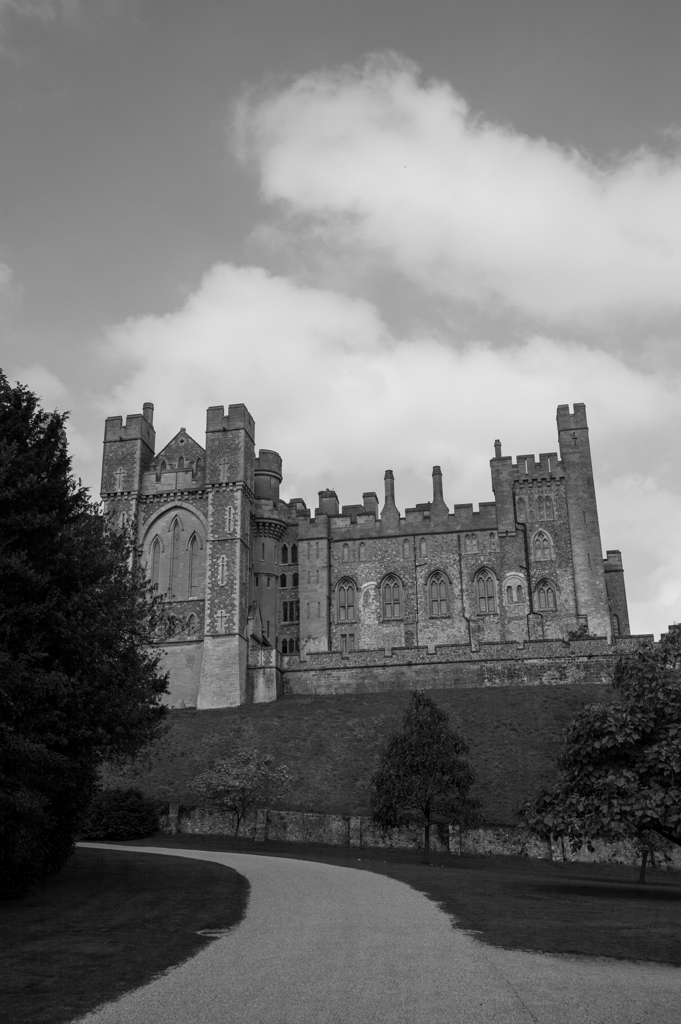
column 120, row 814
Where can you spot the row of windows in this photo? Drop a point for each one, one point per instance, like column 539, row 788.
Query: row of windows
column 183, row 577
column 283, row 580
column 544, row 509
column 291, row 646
column 285, row 554
column 470, row 543
column 290, row 611
column 438, row 593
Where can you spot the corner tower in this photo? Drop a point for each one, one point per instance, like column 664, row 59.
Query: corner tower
column 585, row 534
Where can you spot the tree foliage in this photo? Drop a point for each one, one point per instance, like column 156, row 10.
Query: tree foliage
column 78, row 680
column 240, row 783
column 423, row 776
column 120, row 814
column 620, row 767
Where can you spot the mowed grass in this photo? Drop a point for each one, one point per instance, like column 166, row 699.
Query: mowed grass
column 332, row 744
column 106, row 923
column 596, row 910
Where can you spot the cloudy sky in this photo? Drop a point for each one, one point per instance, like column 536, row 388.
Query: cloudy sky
column 395, row 230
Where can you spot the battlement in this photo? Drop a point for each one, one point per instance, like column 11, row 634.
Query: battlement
column 138, row 427
column 268, row 462
column 238, row 418
column 613, row 561
column 567, row 420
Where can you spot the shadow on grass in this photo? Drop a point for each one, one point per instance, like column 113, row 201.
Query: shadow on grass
column 107, row 923
column 542, row 906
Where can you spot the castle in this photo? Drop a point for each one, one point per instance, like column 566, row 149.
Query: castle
column 266, row 599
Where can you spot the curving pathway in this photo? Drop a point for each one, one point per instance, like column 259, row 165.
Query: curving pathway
column 322, row 944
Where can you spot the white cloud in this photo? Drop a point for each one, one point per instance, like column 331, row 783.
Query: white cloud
column 342, row 399
column 52, row 392
column 464, row 207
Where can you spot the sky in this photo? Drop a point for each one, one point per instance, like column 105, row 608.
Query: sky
column 396, row 231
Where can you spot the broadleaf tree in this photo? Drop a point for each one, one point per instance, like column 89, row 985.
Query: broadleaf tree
column 620, row 767
column 79, row 681
column 241, row 783
column 423, row 777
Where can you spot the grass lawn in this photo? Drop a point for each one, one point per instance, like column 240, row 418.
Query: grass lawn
column 518, row 902
column 108, row 922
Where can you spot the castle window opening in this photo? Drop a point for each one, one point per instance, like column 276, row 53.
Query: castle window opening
column 346, row 553
column 546, row 597
column 284, row 647
column 438, row 596
column 520, row 594
column 346, row 601
column 493, row 542
column 180, row 464
column 222, row 570
column 295, row 579
column 309, row 550
column 120, row 477
column 175, row 559
column 316, row 549
column 193, row 566
column 615, row 626
column 486, row 590
column 317, row 575
column 297, row 645
column 282, row 580
column 284, row 612
column 423, row 547
column 362, row 552
column 155, row 561
column 284, row 554
column 257, row 581
column 230, row 519
column 521, row 510
column 268, row 627
column 268, row 581
column 309, row 574
column 262, row 552
column 319, row 610
column 541, row 546
column 223, row 470
column 392, row 604
column 294, row 553
column 405, row 548
column 347, row 643
column 471, row 543
column 308, row 610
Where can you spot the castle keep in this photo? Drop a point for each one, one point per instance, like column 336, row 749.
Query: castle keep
column 264, row 598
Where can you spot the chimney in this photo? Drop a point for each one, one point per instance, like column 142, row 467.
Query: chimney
column 148, row 412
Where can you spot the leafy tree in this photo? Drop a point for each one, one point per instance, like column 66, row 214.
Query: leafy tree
column 78, row 681
column 620, row 768
column 423, row 776
column 240, row 783
column 120, row 814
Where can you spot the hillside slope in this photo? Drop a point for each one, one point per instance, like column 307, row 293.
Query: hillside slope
column 332, row 744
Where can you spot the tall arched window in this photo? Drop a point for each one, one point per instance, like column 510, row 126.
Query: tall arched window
column 439, row 605
column 284, row 554
column 546, row 597
column 346, row 601
column 284, row 647
column 392, row 598
column 471, row 543
column 423, row 547
column 120, row 477
column 222, row 570
column 295, row 580
column 541, row 546
column 284, row 611
column 198, row 465
column 155, row 561
column 175, row 560
column 229, row 518
column 493, row 542
column 282, row 580
column 549, row 508
column 193, row 588
column 486, row 593
column 180, row 464
column 294, row 553
column 521, row 510
column 346, row 553
column 541, row 511
column 515, row 590
column 362, row 552
column 615, row 626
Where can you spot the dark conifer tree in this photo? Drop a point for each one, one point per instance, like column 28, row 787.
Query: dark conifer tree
column 78, row 681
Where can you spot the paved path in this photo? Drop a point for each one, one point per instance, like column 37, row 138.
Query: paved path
column 329, row 945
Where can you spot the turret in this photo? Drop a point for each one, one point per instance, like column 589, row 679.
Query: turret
column 128, row 451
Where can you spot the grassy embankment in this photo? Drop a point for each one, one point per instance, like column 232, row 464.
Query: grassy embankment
column 105, row 924
column 332, row 744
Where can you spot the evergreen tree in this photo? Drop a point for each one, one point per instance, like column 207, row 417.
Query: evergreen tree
column 78, row 681
column 423, row 776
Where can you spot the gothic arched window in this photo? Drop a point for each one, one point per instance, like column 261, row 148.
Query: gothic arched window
column 284, row 554
column 294, row 553
column 282, row 580
column 521, row 510
column 155, row 561
column 439, row 604
column 362, row 552
column 193, row 588
column 180, row 464
column 392, row 598
column 346, row 601
column 423, row 547
column 471, row 543
column 493, row 542
column 485, row 585
column 175, row 559
column 615, row 626
column 284, row 647
column 541, row 546
column 520, row 593
column 346, row 553
column 541, row 513
column 229, row 518
column 549, row 508
column 295, row 580
column 546, row 597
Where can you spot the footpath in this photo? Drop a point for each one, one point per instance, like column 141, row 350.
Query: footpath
column 322, row 944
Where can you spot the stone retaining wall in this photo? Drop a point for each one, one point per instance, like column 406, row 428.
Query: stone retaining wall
column 360, row 832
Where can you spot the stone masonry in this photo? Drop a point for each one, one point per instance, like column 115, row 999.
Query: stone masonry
column 265, row 598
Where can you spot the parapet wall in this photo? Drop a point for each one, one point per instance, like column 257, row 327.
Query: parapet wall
column 532, row 663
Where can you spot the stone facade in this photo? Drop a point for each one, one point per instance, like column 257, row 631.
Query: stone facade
column 266, row 598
